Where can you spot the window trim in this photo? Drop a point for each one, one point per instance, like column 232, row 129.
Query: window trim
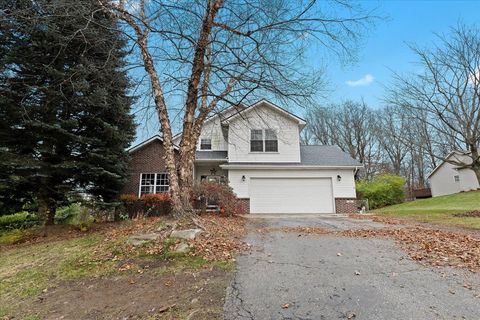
column 264, row 140
column 200, row 146
column 155, row 175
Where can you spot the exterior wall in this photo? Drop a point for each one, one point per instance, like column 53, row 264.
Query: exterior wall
column 342, row 189
column 346, row 205
column 213, row 130
column 147, row 159
column 204, row 170
column 442, row 182
column 263, row 117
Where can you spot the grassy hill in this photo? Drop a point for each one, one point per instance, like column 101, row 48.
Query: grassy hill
column 438, row 209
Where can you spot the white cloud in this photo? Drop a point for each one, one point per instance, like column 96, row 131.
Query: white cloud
column 363, row 81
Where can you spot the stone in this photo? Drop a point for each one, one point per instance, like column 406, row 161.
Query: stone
column 188, row 234
column 142, row 238
column 182, row 248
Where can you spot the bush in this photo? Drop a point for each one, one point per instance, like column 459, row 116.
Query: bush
column 153, row 204
column 218, row 193
column 383, row 190
column 19, row 220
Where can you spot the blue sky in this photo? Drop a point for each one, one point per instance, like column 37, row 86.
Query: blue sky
column 384, row 50
column 386, row 46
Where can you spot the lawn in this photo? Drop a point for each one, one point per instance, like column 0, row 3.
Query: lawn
column 438, row 210
column 96, row 274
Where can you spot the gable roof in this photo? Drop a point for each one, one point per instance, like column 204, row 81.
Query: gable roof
column 444, row 161
column 156, row 137
column 269, row 104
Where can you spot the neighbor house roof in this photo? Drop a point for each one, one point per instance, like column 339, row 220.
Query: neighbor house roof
column 311, row 156
column 446, row 158
column 211, row 155
column 149, row 140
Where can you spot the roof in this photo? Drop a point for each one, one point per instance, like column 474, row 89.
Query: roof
column 145, row 142
column 448, row 156
column 312, row 156
column 211, row 155
column 271, row 105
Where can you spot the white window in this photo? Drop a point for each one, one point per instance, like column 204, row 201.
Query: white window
column 259, row 144
column 153, row 183
column 205, row 144
column 456, row 178
column 256, row 140
column 271, row 142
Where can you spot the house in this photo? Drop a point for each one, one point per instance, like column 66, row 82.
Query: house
column 448, row 178
column 257, row 151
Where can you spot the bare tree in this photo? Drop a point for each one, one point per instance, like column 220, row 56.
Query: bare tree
column 351, row 126
column 446, row 96
column 212, row 53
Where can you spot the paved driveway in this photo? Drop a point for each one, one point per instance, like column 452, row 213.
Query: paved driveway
column 371, row 279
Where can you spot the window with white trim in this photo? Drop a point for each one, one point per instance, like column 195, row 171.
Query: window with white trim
column 205, row 144
column 456, row 178
column 154, row 183
column 256, row 140
column 263, row 140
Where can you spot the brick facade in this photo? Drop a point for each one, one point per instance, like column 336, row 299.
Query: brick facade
column 147, row 159
column 347, row 205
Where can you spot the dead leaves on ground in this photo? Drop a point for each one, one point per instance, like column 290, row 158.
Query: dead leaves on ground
column 425, row 245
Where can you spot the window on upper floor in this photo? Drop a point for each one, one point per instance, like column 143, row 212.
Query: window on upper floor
column 456, row 178
column 263, row 140
column 154, row 183
column 205, row 144
column 271, row 141
column 256, row 140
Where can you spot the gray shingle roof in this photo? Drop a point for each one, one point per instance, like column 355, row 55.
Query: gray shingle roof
column 211, row 155
column 328, row 156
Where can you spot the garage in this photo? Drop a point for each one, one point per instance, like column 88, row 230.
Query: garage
column 291, row 195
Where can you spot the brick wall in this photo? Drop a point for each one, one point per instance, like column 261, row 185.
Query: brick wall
column 246, row 203
column 147, row 159
column 347, row 205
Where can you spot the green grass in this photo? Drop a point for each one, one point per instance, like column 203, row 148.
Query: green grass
column 438, row 209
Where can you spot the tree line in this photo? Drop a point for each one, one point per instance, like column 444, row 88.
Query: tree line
column 426, row 115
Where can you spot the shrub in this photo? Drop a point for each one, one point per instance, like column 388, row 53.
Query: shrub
column 218, row 193
column 152, row 204
column 19, row 220
column 383, row 190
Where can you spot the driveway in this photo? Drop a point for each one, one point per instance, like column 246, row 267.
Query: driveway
column 287, row 276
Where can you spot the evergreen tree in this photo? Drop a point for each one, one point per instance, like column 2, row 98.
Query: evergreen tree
column 64, row 108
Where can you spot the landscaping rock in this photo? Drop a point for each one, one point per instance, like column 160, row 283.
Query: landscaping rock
column 142, row 238
column 188, row 234
column 182, row 248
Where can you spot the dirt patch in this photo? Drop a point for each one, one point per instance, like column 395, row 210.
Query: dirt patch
column 429, row 246
column 137, row 296
column 469, row 214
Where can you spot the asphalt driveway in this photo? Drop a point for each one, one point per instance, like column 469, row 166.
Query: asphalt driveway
column 287, row 276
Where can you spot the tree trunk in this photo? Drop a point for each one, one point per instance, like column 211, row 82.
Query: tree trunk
column 475, row 161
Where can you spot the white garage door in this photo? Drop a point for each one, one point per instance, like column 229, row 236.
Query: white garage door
column 291, row 195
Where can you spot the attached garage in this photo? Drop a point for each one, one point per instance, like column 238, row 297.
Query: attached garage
column 291, row 195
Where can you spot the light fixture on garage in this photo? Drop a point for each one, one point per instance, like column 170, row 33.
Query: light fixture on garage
column 339, row 178
column 243, row 178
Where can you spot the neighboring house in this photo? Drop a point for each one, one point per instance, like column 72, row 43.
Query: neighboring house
column 257, row 151
column 448, row 178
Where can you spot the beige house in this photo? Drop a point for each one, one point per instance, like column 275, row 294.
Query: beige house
column 448, row 178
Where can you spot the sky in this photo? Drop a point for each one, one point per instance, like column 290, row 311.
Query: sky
column 386, row 48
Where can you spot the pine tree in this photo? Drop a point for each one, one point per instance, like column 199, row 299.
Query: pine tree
column 65, row 108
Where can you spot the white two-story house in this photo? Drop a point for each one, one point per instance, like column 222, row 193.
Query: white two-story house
column 257, row 151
